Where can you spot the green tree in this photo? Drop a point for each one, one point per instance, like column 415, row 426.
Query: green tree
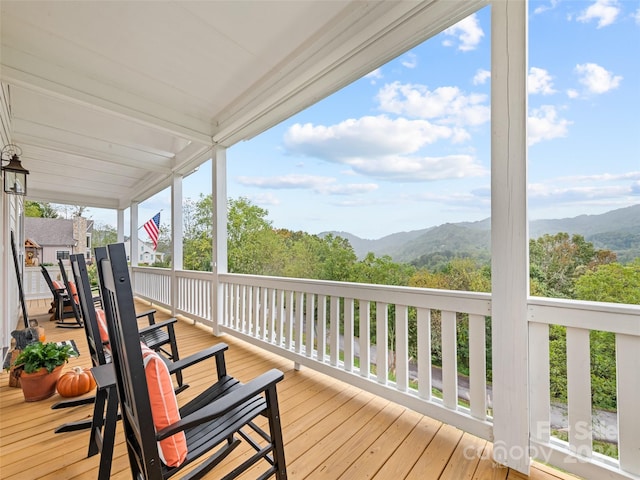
column 613, row 283
column 556, row 261
column 39, row 209
column 103, row 235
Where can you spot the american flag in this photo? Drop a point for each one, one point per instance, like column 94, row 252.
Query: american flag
column 152, row 228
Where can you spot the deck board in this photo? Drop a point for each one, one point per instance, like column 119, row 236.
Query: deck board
column 332, row 430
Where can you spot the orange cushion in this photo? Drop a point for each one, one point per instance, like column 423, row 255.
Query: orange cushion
column 74, row 292
column 102, row 325
column 164, row 407
column 58, row 284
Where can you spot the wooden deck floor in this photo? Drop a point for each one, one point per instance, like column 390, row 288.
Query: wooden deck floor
column 331, row 430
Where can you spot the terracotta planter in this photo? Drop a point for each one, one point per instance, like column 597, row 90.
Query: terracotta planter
column 39, row 385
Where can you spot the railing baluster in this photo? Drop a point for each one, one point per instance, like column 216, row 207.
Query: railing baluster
column 348, row 334
column 322, row 328
column 402, row 347
column 309, row 325
column 424, row 353
column 289, row 310
column 477, row 367
column 628, row 377
column 449, row 360
column 539, row 392
column 382, row 338
column 334, row 330
column 280, row 319
column 365, row 334
column 579, row 391
column 299, row 321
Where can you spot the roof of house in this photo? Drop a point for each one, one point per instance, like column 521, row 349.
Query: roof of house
column 51, row 231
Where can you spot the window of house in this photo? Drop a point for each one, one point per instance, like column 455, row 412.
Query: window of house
column 64, row 254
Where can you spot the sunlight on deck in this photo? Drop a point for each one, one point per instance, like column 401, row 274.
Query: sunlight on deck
column 331, row 430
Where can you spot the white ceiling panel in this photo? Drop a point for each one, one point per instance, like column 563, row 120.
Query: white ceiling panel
column 110, row 99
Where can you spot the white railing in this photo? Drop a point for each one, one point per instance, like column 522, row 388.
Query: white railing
column 192, row 290
column 577, row 455
column 325, row 326
column 35, row 286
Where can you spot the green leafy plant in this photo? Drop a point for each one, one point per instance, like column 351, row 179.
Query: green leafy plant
column 43, row 355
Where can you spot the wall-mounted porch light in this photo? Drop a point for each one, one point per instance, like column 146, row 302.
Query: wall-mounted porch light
column 15, row 175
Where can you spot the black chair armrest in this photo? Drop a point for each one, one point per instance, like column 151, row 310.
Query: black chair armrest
column 148, row 313
column 216, row 350
column 157, row 326
column 224, row 404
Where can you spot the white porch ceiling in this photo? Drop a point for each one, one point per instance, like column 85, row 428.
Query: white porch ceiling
column 109, row 99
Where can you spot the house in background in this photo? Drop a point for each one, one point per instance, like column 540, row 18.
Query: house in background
column 146, row 254
column 48, row 239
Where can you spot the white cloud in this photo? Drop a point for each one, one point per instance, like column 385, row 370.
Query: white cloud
column 377, row 73
column 382, row 148
column 417, row 169
column 481, row 77
column 539, row 81
column 544, row 124
column 596, row 78
column 366, row 136
column 446, row 105
column 264, row 199
column 410, row 61
column 636, row 16
column 319, row 184
column 544, row 8
column 468, row 33
column 604, row 11
column 572, row 93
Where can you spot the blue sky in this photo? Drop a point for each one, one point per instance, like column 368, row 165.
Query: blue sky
column 408, row 146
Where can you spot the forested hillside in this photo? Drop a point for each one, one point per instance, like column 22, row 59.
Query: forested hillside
column 617, row 230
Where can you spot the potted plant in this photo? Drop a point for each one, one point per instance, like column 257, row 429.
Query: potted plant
column 40, row 365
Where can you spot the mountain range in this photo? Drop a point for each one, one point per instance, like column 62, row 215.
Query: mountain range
column 616, row 230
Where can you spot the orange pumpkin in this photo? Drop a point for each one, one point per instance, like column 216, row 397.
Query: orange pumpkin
column 76, row 382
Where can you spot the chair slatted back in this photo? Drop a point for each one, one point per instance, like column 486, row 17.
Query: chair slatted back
column 132, row 389
column 74, row 306
column 81, row 279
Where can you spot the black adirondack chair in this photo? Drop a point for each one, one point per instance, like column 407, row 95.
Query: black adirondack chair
column 162, row 340
column 105, row 412
column 213, row 425
column 72, row 295
column 61, row 304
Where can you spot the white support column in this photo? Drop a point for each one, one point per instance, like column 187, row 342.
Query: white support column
column 176, row 239
column 219, row 201
column 133, row 236
column 120, row 225
column 509, row 235
column 176, row 223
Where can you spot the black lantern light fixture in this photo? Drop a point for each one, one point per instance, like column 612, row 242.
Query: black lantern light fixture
column 15, row 175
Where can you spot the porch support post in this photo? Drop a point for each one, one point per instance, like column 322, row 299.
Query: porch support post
column 219, row 256
column 509, row 233
column 176, row 238
column 176, row 223
column 120, row 226
column 133, row 237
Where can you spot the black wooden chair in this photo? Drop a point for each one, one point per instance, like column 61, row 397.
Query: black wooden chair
column 105, row 412
column 210, row 425
column 61, row 303
column 162, row 340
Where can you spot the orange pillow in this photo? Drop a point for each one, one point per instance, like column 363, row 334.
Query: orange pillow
column 164, row 407
column 102, row 325
column 74, row 292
